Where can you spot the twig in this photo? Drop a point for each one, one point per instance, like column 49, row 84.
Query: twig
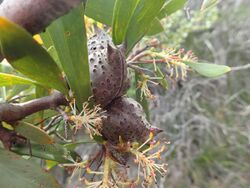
column 52, row 122
column 138, row 69
column 11, row 113
column 137, row 52
column 14, row 100
column 138, row 57
column 63, row 114
column 247, row 66
column 62, row 138
column 35, row 15
column 43, row 120
column 147, row 61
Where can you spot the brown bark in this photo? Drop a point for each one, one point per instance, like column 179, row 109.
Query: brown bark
column 35, row 15
column 11, row 113
column 9, row 138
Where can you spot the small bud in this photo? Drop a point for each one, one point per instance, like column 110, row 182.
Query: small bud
column 154, row 42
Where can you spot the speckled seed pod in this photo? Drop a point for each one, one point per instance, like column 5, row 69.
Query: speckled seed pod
column 108, row 69
column 126, row 118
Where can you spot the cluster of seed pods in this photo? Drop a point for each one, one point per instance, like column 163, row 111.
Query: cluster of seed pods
column 124, row 117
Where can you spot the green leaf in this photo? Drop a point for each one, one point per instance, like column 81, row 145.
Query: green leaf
column 5, row 67
column 99, row 139
column 100, row 10
column 35, row 118
column 18, row 172
column 73, row 145
column 48, row 43
column 16, row 90
column 41, row 92
column 33, row 133
column 174, row 5
column 171, row 7
column 50, row 164
column 208, row 69
column 164, row 82
column 53, row 152
column 68, row 37
column 28, row 57
column 123, row 12
column 10, row 79
column 144, row 14
column 155, row 27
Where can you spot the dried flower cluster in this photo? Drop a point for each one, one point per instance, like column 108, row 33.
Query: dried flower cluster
column 90, row 118
column 169, row 59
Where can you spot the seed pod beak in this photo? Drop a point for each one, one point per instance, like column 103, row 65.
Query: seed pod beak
column 112, row 53
column 155, row 130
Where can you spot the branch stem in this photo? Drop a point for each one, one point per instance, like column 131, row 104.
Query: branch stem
column 11, row 113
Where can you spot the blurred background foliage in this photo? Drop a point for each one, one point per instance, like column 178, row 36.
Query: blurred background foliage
column 208, row 120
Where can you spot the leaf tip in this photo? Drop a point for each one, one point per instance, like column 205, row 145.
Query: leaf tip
column 3, row 21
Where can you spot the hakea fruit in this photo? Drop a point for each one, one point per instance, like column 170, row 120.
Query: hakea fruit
column 125, row 120
column 127, row 136
column 124, row 117
column 108, row 69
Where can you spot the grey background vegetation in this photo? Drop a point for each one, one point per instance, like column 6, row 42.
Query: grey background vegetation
column 208, row 120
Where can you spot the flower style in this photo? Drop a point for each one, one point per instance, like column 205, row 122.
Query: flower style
column 143, row 86
column 146, row 160
column 89, row 118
